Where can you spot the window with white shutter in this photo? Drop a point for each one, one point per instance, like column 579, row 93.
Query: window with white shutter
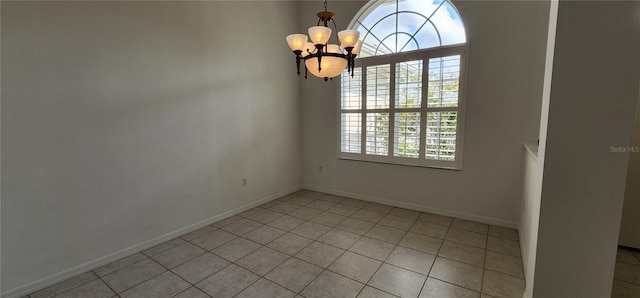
column 404, row 103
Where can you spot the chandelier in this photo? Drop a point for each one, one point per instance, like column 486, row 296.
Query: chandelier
column 322, row 59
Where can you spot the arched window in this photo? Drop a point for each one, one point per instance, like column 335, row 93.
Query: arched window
column 404, row 103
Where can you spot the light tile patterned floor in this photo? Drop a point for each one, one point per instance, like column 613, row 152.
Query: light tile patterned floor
column 311, row 244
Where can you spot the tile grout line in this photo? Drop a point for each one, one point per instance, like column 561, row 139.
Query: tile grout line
column 383, row 261
column 108, row 286
column 148, row 279
column 190, row 286
column 510, row 275
column 434, row 262
column 202, row 290
column 169, row 270
column 147, row 258
column 484, row 266
column 347, row 249
column 398, row 245
column 206, row 251
column 325, row 269
column 72, row 288
column 265, row 275
column 293, row 256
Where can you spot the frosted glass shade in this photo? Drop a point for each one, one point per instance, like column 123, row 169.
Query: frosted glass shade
column 348, row 38
column 297, row 42
column 319, row 34
column 357, row 47
column 308, row 48
column 331, row 66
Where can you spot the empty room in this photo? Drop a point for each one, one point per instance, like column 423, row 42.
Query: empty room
column 325, row 148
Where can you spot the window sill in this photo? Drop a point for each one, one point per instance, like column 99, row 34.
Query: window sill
column 441, row 165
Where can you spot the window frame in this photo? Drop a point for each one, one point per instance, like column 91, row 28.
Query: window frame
column 392, row 60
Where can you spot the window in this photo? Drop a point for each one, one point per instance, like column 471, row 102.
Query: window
column 404, row 102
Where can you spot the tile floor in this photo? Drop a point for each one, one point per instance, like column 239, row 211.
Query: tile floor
column 310, row 244
column 626, row 278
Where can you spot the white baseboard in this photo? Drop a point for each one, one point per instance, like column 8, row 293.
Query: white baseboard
column 472, row 217
column 99, row 262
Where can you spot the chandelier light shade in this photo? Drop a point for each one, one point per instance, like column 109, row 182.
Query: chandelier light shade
column 357, row 47
column 331, row 66
column 319, row 34
column 322, row 59
column 297, row 41
column 348, row 38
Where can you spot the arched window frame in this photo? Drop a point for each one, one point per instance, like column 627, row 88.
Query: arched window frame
column 363, row 116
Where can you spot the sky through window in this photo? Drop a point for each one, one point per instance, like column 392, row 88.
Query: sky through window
column 408, row 25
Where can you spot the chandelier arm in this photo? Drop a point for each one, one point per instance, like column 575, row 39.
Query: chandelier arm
column 353, row 64
column 298, row 54
column 336, row 27
column 338, row 55
column 319, row 54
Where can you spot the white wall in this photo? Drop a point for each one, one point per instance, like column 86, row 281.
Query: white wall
column 534, row 167
column 594, row 93
column 528, row 229
column 506, row 62
column 126, row 121
column 630, row 225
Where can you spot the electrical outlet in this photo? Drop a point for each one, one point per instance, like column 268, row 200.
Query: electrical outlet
column 244, row 181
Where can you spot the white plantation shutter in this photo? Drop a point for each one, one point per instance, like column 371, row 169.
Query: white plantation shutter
column 350, row 118
column 407, row 135
column 378, row 80
column 441, row 135
column 444, row 81
column 377, row 126
column 351, row 132
column 409, row 84
column 405, row 103
column 404, row 110
column 351, row 96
